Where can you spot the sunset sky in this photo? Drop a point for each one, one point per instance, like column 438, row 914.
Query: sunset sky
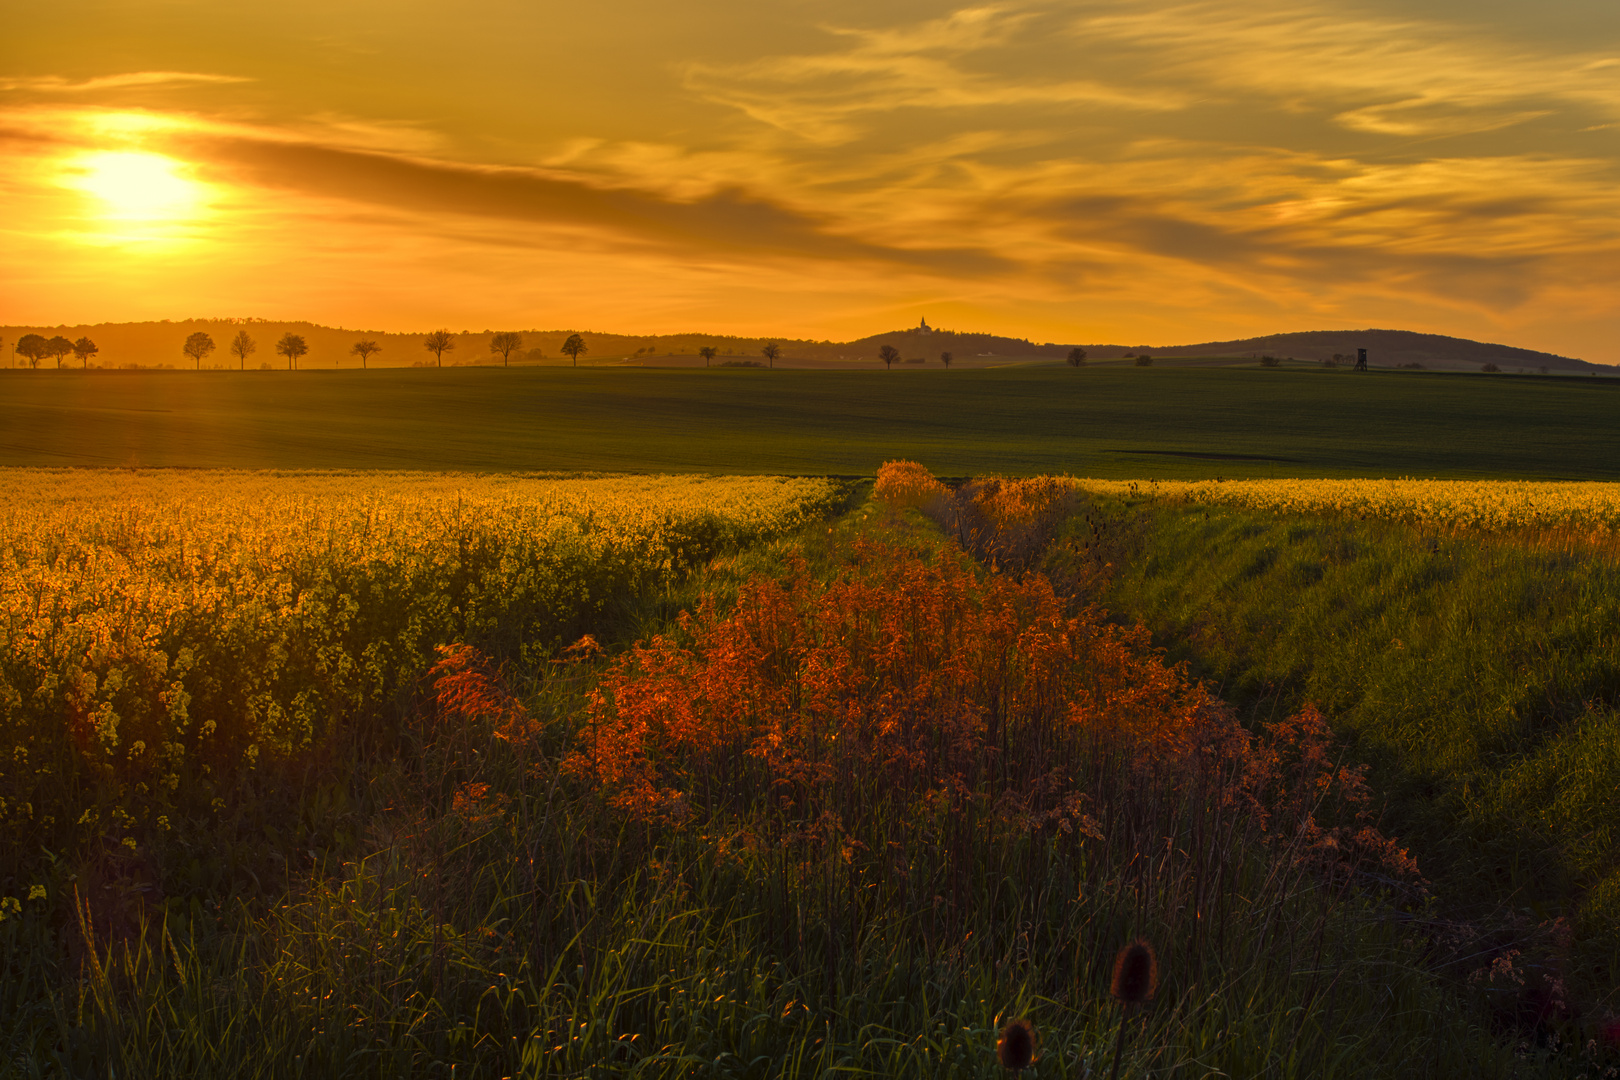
column 1140, row 173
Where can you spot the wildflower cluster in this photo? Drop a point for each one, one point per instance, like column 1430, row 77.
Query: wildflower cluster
column 165, row 634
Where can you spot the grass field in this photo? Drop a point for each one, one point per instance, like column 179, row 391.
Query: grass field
column 843, row 798
column 1475, row 669
column 866, row 802
column 1102, row 422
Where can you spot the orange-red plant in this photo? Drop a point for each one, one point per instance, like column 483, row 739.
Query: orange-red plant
column 926, row 686
column 906, row 483
column 468, row 689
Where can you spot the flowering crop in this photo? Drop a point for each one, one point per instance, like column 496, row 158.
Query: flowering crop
column 1491, row 504
column 165, row 632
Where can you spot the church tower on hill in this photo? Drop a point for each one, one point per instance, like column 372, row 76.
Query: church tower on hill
column 924, row 328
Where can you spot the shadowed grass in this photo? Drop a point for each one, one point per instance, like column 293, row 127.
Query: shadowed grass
column 1098, row 421
column 1477, row 671
column 501, row 919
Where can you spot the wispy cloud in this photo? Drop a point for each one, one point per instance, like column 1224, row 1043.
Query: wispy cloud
column 926, row 66
column 126, row 80
column 1133, row 162
column 1384, row 75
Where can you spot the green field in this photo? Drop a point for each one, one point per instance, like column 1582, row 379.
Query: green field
column 1094, row 421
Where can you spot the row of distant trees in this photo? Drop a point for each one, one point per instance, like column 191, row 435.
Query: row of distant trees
column 36, row 347
column 200, row 345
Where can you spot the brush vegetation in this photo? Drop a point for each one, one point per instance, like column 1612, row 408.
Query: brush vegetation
column 848, row 799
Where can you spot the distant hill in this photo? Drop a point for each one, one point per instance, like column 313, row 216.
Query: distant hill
column 1385, row 348
column 158, row 344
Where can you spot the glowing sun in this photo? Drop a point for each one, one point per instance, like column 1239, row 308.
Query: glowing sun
column 136, row 186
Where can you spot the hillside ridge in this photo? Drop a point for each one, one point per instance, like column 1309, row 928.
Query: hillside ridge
column 158, row 344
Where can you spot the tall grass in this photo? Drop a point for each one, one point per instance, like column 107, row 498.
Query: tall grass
column 1475, row 669
column 864, row 804
column 557, row 889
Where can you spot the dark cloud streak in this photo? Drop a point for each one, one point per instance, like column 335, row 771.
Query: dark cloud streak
column 729, row 222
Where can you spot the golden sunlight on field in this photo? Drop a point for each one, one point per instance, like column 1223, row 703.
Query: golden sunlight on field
column 165, row 627
column 1492, row 504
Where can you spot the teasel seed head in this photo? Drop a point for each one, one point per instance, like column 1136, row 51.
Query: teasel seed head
column 1016, row 1047
column 1136, row 973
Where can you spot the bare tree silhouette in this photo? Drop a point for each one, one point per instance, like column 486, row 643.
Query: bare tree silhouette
column 364, row 349
column 708, row 353
column 438, row 343
column 771, row 352
column 946, row 358
column 888, row 354
column 243, row 346
column 1077, row 357
column 506, row 345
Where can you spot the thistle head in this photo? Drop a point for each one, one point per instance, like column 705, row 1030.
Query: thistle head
column 1136, row 973
column 1016, row 1047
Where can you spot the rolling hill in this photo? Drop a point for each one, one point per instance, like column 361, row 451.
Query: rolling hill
column 158, row 345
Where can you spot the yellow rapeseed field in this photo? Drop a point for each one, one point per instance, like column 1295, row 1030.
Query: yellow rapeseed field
column 1491, row 504
column 166, row 633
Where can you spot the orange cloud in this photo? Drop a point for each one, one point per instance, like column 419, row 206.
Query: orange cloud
column 1070, row 170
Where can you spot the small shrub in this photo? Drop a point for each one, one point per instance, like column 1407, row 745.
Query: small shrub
column 1490, row 369
column 1144, row 360
column 1270, row 361
column 906, row 483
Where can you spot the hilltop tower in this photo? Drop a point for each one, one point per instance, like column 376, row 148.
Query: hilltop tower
column 924, row 328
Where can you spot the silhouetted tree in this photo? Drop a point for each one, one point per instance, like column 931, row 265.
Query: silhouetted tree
column 292, row 347
column 574, row 346
column 33, row 346
column 84, row 349
column 58, row 347
column 506, row 345
column 197, row 346
column 770, row 352
column 1144, row 360
column 243, row 346
column 888, row 354
column 438, row 343
column 946, row 358
column 364, row 349
column 707, row 352
column 1077, row 357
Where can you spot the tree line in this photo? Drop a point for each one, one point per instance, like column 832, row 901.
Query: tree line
column 200, row 345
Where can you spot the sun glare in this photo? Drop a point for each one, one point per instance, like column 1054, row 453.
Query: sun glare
column 136, row 187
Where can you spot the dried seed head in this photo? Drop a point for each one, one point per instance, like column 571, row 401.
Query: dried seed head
column 1016, row 1047
column 1136, row 973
